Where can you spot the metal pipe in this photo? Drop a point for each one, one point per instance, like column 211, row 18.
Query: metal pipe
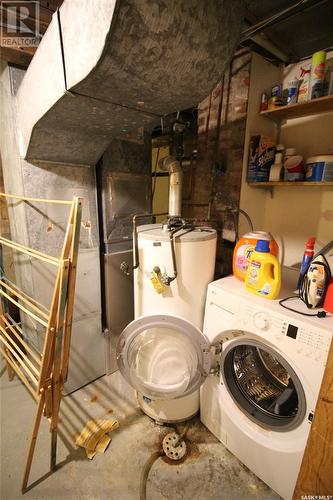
column 287, row 13
column 171, row 165
column 135, row 236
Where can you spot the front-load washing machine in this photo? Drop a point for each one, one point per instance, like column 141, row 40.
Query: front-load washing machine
column 260, row 368
column 261, row 400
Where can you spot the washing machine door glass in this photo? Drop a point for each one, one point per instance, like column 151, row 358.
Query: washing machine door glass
column 163, row 357
column 263, row 385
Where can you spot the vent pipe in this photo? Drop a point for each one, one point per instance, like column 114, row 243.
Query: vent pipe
column 171, row 165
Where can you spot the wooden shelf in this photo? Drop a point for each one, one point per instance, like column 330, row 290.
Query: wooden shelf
column 313, row 107
column 290, row 184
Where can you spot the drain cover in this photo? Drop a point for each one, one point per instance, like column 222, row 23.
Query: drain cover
column 172, row 448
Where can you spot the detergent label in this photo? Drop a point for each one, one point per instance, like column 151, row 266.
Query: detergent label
column 254, row 272
column 243, row 255
column 266, row 289
column 319, row 70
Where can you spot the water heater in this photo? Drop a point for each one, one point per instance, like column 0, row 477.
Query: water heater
column 174, row 269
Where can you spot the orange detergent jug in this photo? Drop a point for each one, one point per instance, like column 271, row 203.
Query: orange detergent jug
column 244, row 248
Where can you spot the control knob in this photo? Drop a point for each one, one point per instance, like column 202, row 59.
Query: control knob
column 261, row 321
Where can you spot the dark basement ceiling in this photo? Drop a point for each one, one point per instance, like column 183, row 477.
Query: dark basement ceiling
column 309, row 29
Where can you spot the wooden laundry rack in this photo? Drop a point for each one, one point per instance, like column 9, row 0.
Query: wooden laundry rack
column 43, row 373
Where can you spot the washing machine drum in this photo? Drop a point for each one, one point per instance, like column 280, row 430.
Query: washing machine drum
column 264, row 385
column 163, row 357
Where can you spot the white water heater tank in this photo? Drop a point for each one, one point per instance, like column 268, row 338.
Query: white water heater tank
column 185, row 297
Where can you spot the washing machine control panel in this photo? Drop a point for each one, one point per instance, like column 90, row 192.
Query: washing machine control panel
column 302, row 338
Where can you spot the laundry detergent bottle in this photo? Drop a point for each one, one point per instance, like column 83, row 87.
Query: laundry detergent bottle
column 245, row 246
column 263, row 275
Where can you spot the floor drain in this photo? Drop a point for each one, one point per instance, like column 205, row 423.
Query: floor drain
column 172, row 448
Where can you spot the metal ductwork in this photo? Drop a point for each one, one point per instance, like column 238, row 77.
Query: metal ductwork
column 104, row 68
column 171, row 165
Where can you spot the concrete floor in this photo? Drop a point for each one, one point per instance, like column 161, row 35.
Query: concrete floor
column 209, row 472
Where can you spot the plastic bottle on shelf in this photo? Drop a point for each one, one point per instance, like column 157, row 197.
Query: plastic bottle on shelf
column 276, row 169
column 293, row 166
column 317, row 74
column 292, row 91
column 304, row 83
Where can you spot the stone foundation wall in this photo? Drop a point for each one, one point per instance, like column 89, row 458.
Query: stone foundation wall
column 217, row 178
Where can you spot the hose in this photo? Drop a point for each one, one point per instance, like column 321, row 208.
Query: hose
column 247, row 217
column 152, row 459
column 182, row 434
column 145, row 472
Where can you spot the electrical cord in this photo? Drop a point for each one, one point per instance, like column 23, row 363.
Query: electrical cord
column 318, row 314
column 145, row 471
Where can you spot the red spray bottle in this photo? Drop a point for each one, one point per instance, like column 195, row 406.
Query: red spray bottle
column 307, row 258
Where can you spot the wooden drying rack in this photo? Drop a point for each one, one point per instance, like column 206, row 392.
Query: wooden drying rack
column 43, row 373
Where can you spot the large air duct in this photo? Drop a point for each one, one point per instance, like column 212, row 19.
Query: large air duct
column 171, row 165
column 104, row 68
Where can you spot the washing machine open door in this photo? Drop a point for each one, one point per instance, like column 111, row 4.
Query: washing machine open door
column 163, row 357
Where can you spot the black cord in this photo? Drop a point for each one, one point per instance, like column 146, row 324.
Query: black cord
column 319, row 314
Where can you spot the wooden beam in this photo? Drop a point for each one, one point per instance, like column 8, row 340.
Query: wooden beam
column 19, row 56
column 315, row 477
column 52, row 5
column 22, row 56
column 280, row 45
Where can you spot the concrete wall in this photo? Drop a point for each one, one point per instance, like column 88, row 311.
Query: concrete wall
column 6, row 253
column 42, row 226
column 292, row 214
